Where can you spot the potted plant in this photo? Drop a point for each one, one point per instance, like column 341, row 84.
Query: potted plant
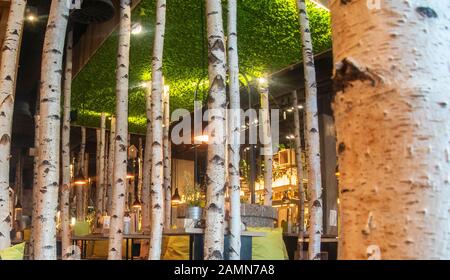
column 195, row 201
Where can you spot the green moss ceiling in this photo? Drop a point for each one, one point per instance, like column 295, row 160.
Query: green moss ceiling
column 268, row 38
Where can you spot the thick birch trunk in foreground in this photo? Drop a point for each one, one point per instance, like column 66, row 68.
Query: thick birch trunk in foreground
column 215, row 174
column 267, row 150
column 35, row 213
column 234, row 136
column 101, row 163
column 8, row 70
column 301, row 190
column 312, row 136
column 65, row 153
column 157, row 192
column 81, row 169
column 393, row 130
column 121, row 139
column 167, row 161
column 49, row 135
column 112, row 136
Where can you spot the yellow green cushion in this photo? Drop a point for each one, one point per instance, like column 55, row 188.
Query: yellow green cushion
column 13, row 253
column 177, row 248
column 81, row 229
column 269, row 247
column 100, row 249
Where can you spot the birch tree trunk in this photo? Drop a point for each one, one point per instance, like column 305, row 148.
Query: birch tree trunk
column 215, row 174
column 167, row 161
column 391, row 110
column 301, row 190
column 157, row 195
column 81, row 169
column 112, row 137
column 65, row 152
column 267, row 151
column 100, row 172
column 312, row 136
column 8, row 71
column 147, row 173
column 35, row 213
column 235, row 135
column 49, row 135
column 121, row 138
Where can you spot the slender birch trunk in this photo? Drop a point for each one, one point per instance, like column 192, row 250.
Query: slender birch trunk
column 100, row 172
column 167, row 161
column 157, row 195
column 105, row 175
column 147, row 173
column 81, row 168
column 140, row 171
column 112, row 136
column 65, row 152
column 8, row 73
column 35, row 213
column 121, row 139
column 267, row 150
column 301, row 190
column 391, row 111
column 235, row 135
column 312, row 136
column 49, row 140
column 214, row 231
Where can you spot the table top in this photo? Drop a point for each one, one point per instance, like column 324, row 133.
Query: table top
column 325, row 238
column 171, row 232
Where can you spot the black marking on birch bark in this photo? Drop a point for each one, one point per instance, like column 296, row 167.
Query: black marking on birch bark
column 316, row 203
column 5, row 139
column 213, row 207
column 349, row 70
column 341, row 148
column 216, row 254
column 426, row 12
column 7, row 219
column 122, row 148
column 347, row 190
column 213, row 13
column 157, row 206
column 216, row 159
column 8, row 78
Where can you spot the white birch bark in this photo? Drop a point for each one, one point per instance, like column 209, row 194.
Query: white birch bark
column 121, row 138
column 140, row 171
column 267, row 150
column 49, row 140
column 100, row 172
column 234, row 134
column 312, row 136
column 156, row 193
column 112, row 136
column 147, row 173
column 8, row 73
column 391, row 110
column 167, row 161
column 215, row 174
column 301, row 190
column 81, row 168
column 65, row 152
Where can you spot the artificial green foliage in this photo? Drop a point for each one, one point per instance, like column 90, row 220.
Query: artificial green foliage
column 268, row 38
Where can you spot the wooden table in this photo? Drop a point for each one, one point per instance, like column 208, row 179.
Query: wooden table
column 195, row 241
